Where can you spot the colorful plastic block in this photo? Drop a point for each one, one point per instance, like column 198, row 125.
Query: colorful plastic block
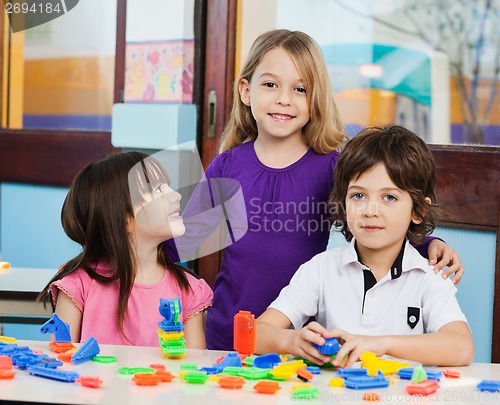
column 244, row 333
column 266, row 387
column 427, row 387
column 336, row 382
column 59, row 375
column 231, row 382
column 406, row 373
column 267, row 360
column 59, row 328
column 418, row 375
column 489, row 385
column 146, row 379
column 252, row 373
column 452, row 373
column 351, row 372
column 364, row 382
column 305, row 393
column 304, row 374
column 89, row 381
column 195, row 377
column 87, row 351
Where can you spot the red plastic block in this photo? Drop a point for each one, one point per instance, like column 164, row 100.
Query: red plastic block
column 422, row 388
column 244, row 333
column 61, row 347
column 157, row 366
column 5, row 363
column 89, row 381
column 452, row 373
column 266, row 387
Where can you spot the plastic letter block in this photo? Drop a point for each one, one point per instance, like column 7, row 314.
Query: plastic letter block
column 266, row 360
column 489, row 385
column 87, row 351
column 359, row 383
column 266, row 387
column 330, row 347
column 422, row 388
column 59, row 375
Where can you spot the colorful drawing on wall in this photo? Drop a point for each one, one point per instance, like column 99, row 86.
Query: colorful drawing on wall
column 159, row 72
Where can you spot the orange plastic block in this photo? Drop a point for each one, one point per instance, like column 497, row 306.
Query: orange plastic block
column 61, row 347
column 7, row 374
column 266, row 387
column 157, row 366
column 244, row 333
column 231, row 382
column 164, row 375
column 66, row 356
column 452, row 373
column 146, row 379
column 5, row 363
column 304, row 374
column 89, row 381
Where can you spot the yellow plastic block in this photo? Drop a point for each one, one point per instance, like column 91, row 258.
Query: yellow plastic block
column 337, row 382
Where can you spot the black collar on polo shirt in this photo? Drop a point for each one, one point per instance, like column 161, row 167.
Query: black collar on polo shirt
column 369, row 278
column 396, row 268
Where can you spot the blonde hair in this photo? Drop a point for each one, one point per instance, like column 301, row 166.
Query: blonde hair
column 324, row 132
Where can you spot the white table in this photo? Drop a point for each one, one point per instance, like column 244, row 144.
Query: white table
column 120, row 389
column 19, row 289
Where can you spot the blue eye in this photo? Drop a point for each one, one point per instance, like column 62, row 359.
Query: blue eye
column 357, row 196
column 390, row 198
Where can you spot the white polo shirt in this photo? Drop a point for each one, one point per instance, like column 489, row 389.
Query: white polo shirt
column 409, row 300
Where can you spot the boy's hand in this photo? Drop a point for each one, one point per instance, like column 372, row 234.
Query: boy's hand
column 441, row 255
column 354, row 346
column 302, row 339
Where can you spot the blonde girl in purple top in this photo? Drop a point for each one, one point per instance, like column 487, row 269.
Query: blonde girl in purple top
column 120, row 210
column 281, row 144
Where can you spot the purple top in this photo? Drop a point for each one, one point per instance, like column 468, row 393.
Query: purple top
column 288, row 223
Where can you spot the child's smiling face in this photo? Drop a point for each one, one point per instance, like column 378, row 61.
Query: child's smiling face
column 378, row 212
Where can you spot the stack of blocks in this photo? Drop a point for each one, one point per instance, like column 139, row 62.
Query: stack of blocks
column 170, row 334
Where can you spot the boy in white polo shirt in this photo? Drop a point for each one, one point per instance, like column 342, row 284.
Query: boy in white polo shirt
column 376, row 294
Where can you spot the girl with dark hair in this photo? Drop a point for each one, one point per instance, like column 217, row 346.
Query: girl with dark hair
column 120, row 210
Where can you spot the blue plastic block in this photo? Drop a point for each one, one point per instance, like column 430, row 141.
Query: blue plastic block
column 359, row 383
column 351, row 372
column 231, row 360
column 330, row 347
column 59, row 328
column 313, row 369
column 489, row 385
column 406, row 373
column 210, row 370
column 266, row 360
column 59, row 375
column 86, row 351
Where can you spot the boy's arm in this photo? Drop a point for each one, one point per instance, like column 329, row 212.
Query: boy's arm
column 274, row 336
column 451, row 345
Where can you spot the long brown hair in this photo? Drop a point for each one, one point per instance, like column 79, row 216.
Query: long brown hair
column 94, row 215
column 324, row 132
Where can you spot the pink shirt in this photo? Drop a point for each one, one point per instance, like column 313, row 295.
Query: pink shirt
column 98, row 304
